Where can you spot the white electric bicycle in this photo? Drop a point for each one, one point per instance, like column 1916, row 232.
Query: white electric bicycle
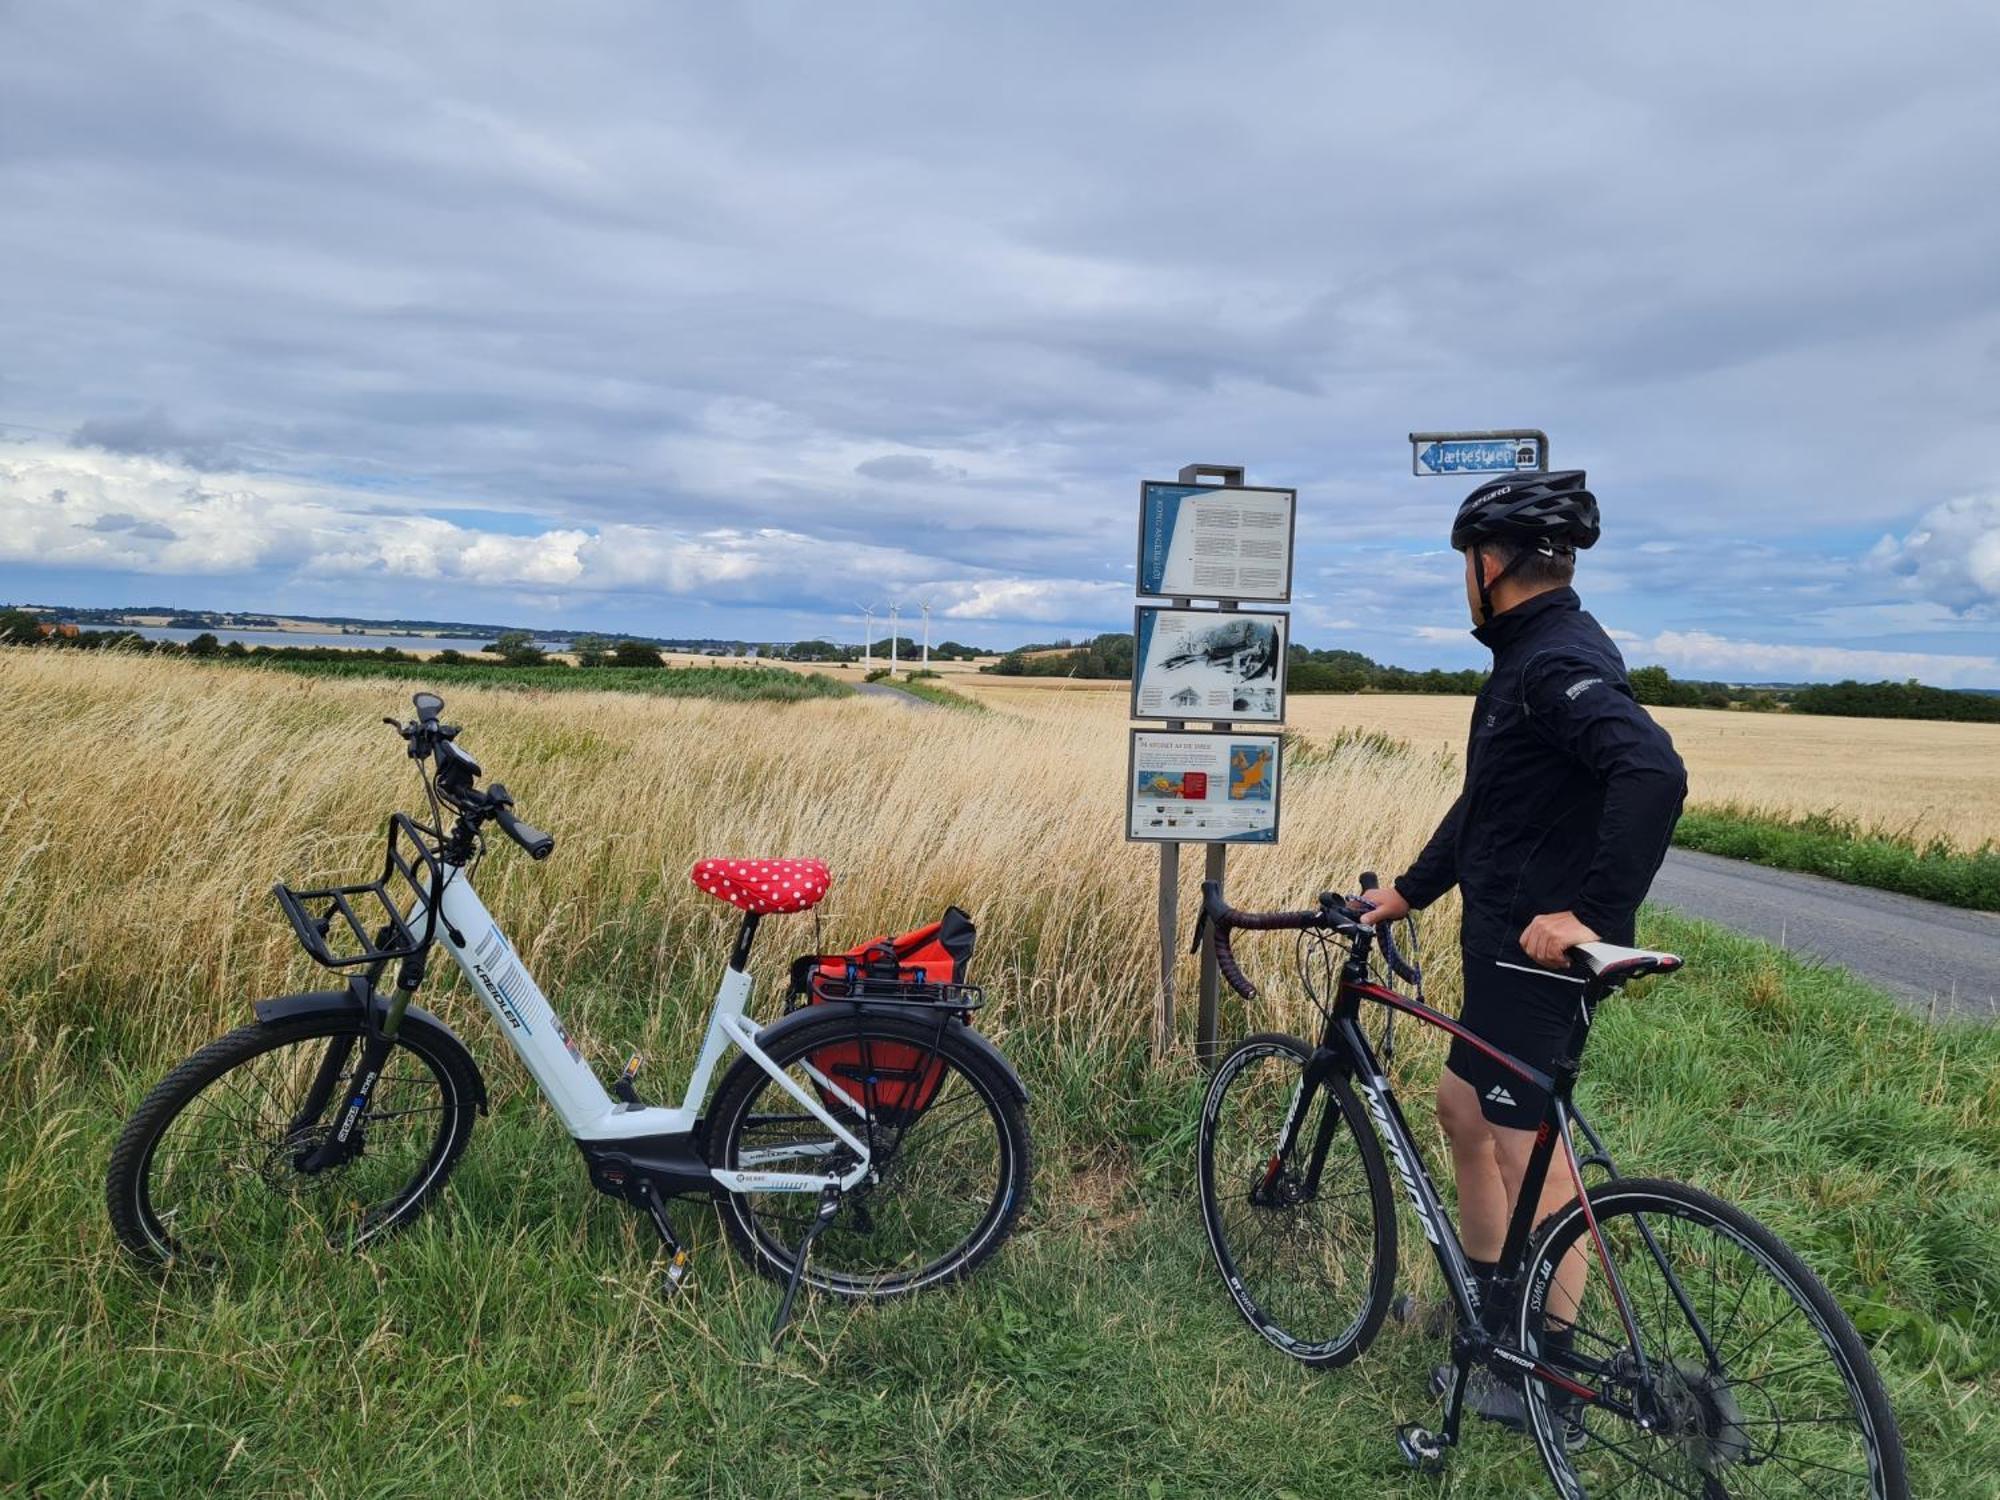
column 874, row 1131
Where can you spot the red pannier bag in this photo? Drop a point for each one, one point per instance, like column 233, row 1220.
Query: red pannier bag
column 905, row 1078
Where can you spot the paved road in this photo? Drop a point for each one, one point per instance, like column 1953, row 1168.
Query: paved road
column 1919, row 951
column 896, row 694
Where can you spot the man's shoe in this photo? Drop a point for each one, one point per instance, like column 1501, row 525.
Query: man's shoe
column 1486, row 1397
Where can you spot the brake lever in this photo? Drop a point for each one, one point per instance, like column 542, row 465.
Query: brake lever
column 1200, row 927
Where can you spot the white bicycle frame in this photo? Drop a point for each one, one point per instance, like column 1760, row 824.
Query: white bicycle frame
column 588, row 1111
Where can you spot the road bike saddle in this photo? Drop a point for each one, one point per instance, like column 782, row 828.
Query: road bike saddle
column 1609, row 962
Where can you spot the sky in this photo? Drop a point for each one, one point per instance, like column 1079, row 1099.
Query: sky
column 719, row 320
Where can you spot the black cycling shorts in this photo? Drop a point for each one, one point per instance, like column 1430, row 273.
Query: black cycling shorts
column 1521, row 1010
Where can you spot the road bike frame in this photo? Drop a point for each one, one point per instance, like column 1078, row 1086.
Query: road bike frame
column 501, row 980
column 1481, row 1336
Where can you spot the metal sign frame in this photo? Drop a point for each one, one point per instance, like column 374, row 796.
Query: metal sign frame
column 1273, row 733
column 1283, row 621
column 1517, row 435
column 1146, row 486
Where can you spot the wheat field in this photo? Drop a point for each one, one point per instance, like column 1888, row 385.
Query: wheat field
column 515, row 1342
column 1922, row 779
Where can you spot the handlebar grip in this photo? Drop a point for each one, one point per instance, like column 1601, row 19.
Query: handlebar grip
column 538, row 845
column 1225, row 963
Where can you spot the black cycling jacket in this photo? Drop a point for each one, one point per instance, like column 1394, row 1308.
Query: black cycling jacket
column 1571, row 788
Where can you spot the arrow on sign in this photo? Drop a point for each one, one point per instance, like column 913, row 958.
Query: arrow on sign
column 1477, row 457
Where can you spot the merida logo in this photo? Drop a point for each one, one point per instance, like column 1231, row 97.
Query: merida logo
column 1403, row 1168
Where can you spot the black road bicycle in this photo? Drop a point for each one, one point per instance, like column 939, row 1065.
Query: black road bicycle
column 1663, row 1341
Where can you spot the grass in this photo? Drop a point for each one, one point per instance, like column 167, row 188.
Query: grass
column 928, row 688
column 514, row 1342
column 1825, row 843
column 725, row 684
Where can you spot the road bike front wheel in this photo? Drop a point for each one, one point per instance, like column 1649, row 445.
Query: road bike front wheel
column 950, row 1155
column 1305, row 1238
column 1753, row 1381
column 215, row 1164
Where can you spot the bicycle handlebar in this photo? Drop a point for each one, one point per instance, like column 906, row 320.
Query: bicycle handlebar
column 1332, row 915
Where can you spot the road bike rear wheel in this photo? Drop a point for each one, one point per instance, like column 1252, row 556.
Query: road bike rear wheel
column 1755, row 1381
column 949, row 1145
column 212, row 1165
column 1306, row 1242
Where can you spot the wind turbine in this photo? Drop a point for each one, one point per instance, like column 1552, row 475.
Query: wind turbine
column 868, row 636
column 927, row 631
column 892, row 638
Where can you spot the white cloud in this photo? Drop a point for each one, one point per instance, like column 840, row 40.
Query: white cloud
column 1045, row 599
column 1699, row 653
column 1952, row 555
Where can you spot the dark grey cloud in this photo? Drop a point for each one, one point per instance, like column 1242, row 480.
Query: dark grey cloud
column 133, row 526
column 953, row 279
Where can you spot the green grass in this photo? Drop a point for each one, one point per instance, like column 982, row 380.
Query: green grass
column 1837, row 847
column 515, row 1343
column 729, row 684
column 933, row 691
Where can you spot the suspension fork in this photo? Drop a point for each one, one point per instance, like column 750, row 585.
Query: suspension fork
column 345, row 1142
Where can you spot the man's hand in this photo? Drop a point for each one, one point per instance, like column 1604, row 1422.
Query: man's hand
column 1548, row 939
column 1386, row 904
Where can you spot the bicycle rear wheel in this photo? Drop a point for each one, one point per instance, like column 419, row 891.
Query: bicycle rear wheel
column 1755, row 1381
column 210, row 1166
column 948, row 1139
column 1306, row 1239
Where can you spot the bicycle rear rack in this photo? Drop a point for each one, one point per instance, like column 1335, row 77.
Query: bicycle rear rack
column 316, row 930
column 865, row 989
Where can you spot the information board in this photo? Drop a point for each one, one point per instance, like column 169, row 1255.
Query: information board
column 1203, row 786
column 1209, row 664
column 1213, row 541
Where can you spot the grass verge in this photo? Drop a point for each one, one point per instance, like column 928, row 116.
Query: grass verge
column 932, row 691
column 1842, row 849
column 514, row 1342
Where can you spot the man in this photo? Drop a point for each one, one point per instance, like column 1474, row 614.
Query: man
column 1571, row 794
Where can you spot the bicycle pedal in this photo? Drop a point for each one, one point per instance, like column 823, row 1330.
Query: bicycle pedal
column 1422, row 1449
column 625, row 1085
column 676, row 1274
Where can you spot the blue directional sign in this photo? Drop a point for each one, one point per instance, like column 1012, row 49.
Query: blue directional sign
column 1477, row 452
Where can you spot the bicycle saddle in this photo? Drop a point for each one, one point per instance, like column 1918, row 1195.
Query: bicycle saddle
column 765, row 886
column 1610, row 962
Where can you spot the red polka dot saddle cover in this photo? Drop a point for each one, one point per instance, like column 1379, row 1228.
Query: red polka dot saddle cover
column 765, row 886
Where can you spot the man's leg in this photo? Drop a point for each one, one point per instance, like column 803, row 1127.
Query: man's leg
column 1483, row 1196
column 1513, row 1148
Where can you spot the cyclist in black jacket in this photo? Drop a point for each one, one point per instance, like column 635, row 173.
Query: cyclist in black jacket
column 1571, row 794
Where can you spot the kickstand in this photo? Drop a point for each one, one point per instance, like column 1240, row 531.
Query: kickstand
column 829, row 1205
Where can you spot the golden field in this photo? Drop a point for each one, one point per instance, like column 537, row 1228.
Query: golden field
column 1931, row 780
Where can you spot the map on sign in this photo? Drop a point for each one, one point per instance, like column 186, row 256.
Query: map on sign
column 1504, row 453
column 1203, row 786
column 1213, row 541
column 1209, row 664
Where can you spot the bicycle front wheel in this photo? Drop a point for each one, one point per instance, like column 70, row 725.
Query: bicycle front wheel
column 216, row 1163
column 1305, row 1237
column 948, row 1146
column 1752, row 1381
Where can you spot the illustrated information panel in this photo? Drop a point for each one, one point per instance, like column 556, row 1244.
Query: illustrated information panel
column 1209, row 664
column 1211, row 541
column 1203, row 786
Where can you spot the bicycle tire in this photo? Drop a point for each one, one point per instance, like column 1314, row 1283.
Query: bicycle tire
column 1715, row 1420
column 855, row 1255
column 133, row 1178
column 1278, row 1313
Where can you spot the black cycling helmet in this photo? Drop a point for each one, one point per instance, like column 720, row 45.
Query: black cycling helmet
column 1529, row 508
column 1550, row 515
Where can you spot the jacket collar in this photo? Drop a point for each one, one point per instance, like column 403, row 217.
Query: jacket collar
column 1510, row 625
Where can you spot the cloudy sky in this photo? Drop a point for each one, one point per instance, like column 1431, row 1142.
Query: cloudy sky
column 717, row 319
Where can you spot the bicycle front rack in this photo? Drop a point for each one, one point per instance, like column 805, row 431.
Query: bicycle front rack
column 382, row 905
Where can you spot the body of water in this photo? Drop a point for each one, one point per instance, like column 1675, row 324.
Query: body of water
column 303, row 638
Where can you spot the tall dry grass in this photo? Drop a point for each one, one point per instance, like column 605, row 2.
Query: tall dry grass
column 154, row 803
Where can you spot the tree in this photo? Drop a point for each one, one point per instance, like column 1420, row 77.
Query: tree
column 204, row 644
column 635, row 654
column 517, row 649
column 19, row 628
column 590, row 650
